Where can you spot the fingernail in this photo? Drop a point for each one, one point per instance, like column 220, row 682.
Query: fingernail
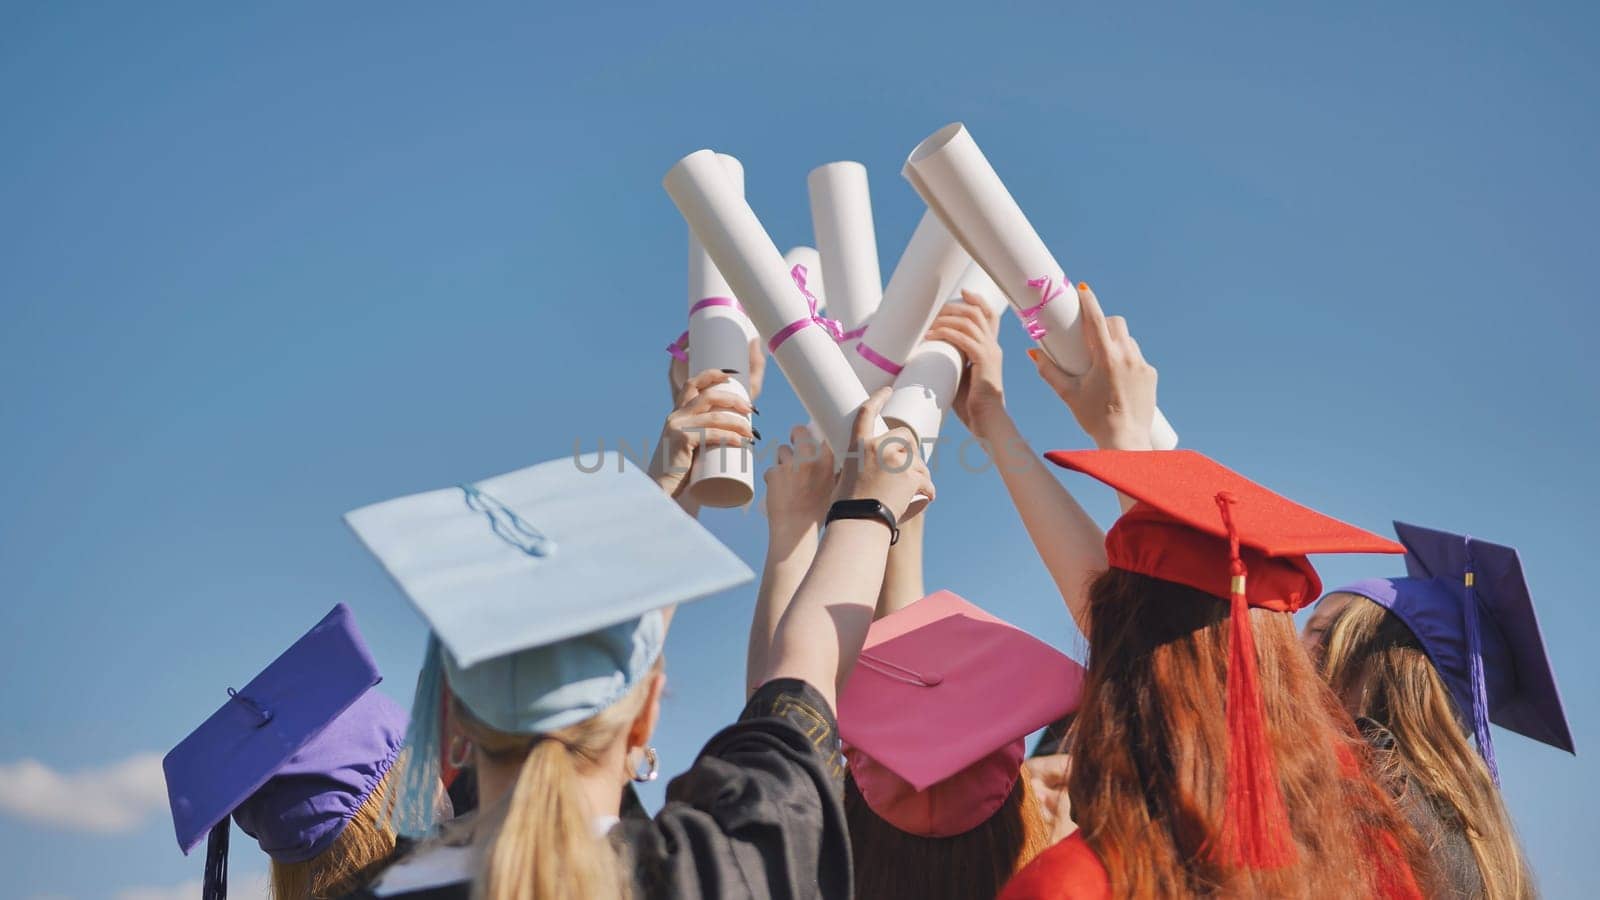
column 755, row 431
column 730, row 371
column 756, row 411
column 1033, row 353
column 1083, row 285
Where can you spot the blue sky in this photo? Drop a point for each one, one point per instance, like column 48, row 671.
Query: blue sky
column 266, row 264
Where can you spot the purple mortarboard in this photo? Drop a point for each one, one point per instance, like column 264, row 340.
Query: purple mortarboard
column 1467, row 602
column 291, row 756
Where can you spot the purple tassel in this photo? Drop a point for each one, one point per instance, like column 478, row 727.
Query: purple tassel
column 216, row 885
column 1480, row 692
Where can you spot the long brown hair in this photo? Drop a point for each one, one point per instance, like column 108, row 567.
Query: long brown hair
column 545, row 847
column 1150, row 749
column 365, row 843
column 975, row 865
column 1376, row 665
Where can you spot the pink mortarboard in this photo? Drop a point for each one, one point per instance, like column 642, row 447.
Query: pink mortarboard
column 936, row 712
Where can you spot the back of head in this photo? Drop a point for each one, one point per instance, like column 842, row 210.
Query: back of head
column 366, row 842
column 891, row 863
column 1378, row 668
column 1151, row 744
column 544, row 845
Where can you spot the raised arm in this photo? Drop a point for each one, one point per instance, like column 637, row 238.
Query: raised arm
column 799, row 485
column 1067, row 540
column 902, row 575
column 820, row 635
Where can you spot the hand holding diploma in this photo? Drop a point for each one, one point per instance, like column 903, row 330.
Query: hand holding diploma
column 1115, row 399
column 959, row 184
column 972, row 327
column 927, row 384
column 702, row 417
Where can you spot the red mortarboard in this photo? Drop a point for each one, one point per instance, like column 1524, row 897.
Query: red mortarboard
column 1202, row 525
column 935, row 714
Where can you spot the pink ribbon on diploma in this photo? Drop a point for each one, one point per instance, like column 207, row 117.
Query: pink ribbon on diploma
column 1048, row 290
column 878, row 359
column 676, row 347
column 831, row 326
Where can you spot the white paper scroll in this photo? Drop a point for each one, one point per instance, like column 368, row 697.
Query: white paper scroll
column 927, row 272
column 927, row 384
column 811, row 262
column 743, row 252
column 841, row 217
column 719, row 338
column 956, row 180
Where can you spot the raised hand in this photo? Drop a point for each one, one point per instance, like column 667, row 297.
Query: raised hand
column 799, row 486
column 974, row 330
column 1115, row 400
column 886, row 468
column 701, row 418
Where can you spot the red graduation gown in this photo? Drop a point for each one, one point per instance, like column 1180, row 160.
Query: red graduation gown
column 1071, row 871
column 1068, row 871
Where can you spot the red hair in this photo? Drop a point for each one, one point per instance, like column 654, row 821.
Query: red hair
column 1150, row 756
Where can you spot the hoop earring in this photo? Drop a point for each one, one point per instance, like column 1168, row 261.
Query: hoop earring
column 654, row 772
column 459, row 760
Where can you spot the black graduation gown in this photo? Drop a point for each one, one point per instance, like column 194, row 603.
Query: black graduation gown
column 757, row 817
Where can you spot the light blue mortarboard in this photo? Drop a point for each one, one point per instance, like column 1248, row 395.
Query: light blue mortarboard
column 543, row 589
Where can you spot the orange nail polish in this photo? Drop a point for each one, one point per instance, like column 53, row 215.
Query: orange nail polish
column 1083, row 285
column 1033, row 353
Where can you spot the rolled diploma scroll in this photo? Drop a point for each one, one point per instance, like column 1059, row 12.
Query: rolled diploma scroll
column 928, row 382
column 957, row 182
column 841, row 218
column 739, row 246
column 811, row 260
column 927, row 271
column 719, row 338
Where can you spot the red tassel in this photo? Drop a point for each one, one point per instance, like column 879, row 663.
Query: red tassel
column 1255, row 823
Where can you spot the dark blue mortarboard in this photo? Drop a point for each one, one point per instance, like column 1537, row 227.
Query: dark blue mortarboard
column 1468, row 603
column 292, row 755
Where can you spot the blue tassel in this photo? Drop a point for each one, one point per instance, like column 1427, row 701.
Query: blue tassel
column 506, row 524
column 1480, row 691
column 216, row 884
column 418, row 786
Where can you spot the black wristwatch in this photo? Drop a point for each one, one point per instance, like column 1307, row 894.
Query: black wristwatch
column 865, row 509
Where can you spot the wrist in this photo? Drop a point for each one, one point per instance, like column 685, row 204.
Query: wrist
column 1124, row 438
column 987, row 406
column 989, row 421
column 865, row 510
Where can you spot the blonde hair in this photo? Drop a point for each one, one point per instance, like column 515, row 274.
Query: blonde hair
column 1378, row 668
column 365, row 843
column 545, row 847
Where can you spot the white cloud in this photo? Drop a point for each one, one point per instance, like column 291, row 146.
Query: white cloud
column 112, row 799
column 253, row 886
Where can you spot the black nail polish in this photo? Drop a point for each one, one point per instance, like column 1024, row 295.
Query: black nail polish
column 756, row 432
column 755, row 411
column 730, row 371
